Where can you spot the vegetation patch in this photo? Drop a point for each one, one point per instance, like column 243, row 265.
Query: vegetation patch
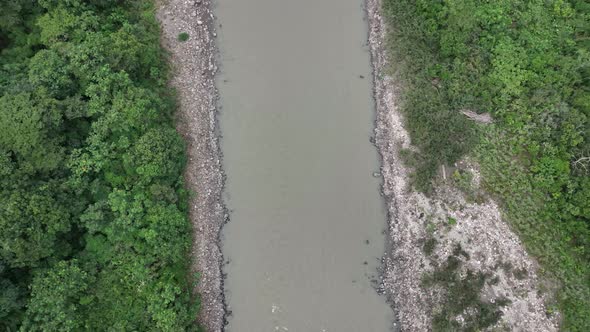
column 462, row 308
column 463, row 180
column 94, row 233
column 527, row 64
column 183, row 36
column 451, row 221
column 429, row 246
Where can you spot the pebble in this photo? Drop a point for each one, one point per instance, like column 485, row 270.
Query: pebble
column 197, row 96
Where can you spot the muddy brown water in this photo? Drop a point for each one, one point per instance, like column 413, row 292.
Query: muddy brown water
column 305, row 235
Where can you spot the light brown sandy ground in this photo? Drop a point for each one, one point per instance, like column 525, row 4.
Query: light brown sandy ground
column 194, row 69
column 479, row 228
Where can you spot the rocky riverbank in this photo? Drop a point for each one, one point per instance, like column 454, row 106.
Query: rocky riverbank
column 446, row 236
column 193, row 59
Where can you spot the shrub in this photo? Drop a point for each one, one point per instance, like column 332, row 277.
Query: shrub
column 183, row 36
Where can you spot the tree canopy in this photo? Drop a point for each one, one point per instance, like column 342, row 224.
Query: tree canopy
column 94, row 232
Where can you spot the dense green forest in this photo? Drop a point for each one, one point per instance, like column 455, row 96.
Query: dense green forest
column 93, row 218
column 527, row 63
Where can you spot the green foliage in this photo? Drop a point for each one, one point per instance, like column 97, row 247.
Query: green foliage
column 56, row 296
column 429, row 246
column 93, row 223
column 557, row 240
column 451, row 221
column 527, row 63
column 49, row 70
column 183, row 36
column 11, row 301
column 463, row 297
column 436, row 127
column 30, row 131
column 463, row 180
column 42, row 220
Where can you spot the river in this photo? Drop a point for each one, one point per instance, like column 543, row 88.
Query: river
column 305, row 234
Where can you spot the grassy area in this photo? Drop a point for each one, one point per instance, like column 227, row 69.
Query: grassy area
column 527, row 63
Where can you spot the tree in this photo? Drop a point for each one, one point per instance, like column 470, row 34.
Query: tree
column 32, row 225
column 58, row 299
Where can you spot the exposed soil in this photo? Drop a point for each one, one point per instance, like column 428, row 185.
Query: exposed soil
column 413, row 218
column 194, row 69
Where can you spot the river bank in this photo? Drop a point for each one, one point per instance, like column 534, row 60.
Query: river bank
column 445, row 236
column 445, row 220
column 193, row 77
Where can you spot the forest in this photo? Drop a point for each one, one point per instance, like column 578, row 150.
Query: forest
column 527, row 64
column 93, row 215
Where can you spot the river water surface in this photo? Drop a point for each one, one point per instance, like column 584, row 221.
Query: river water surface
column 305, row 234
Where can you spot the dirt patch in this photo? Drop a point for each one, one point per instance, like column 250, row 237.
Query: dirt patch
column 188, row 33
column 424, row 231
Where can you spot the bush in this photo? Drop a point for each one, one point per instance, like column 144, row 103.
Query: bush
column 183, row 36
